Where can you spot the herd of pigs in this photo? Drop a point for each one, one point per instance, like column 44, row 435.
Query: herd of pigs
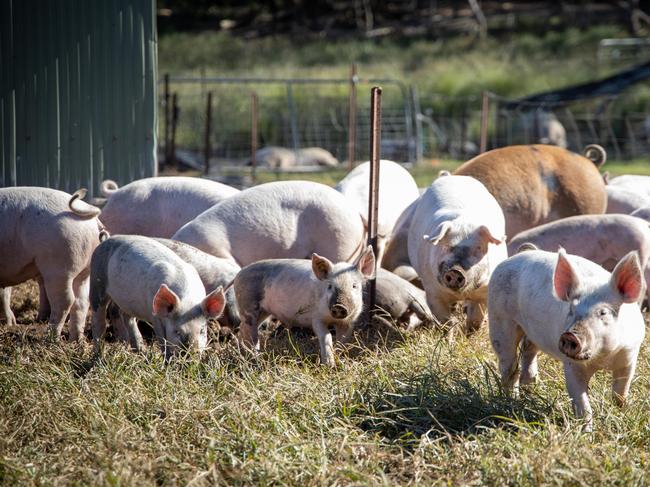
column 177, row 251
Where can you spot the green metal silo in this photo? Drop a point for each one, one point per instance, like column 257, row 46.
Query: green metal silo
column 78, row 92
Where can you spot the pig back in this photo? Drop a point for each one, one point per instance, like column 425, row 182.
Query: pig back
column 535, row 184
column 279, row 220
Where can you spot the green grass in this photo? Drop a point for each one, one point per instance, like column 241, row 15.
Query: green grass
column 399, row 410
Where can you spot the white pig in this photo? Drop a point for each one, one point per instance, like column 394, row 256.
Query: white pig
column 285, row 219
column 621, row 200
column 148, row 281
column 158, row 207
column 396, row 257
column 456, row 239
column 633, row 183
column 304, row 293
column 643, row 213
column 48, row 235
column 603, row 239
column 573, row 310
column 397, row 190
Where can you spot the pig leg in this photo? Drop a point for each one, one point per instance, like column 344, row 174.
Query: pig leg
column 5, row 306
column 476, row 311
column 577, row 383
column 135, row 337
column 248, row 330
column 529, row 353
column 79, row 311
column 621, row 380
column 43, row 303
column 505, row 335
column 647, row 283
column 439, row 308
column 59, row 290
column 325, row 340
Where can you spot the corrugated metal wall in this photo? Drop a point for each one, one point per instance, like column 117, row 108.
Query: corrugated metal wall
column 78, row 99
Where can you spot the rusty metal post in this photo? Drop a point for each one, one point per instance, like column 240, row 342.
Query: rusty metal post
column 172, row 148
column 373, row 198
column 485, row 108
column 253, row 137
column 352, row 117
column 167, row 117
column 208, row 129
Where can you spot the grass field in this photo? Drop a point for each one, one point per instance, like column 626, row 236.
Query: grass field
column 396, row 410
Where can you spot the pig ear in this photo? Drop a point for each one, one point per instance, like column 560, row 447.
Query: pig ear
column 165, row 302
column 214, row 303
column 366, row 263
column 565, row 280
column 321, row 266
column 626, row 278
column 486, row 236
column 442, row 231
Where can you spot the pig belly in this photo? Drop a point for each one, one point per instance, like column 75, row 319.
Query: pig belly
column 293, row 307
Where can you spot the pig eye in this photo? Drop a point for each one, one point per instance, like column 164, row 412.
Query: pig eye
column 329, row 286
column 603, row 312
column 354, row 286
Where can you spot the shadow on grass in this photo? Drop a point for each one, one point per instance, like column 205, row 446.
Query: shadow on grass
column 442, row 405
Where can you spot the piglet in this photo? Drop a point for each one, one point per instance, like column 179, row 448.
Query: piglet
column 573, row 310
column 148, row 281
column 304, row 293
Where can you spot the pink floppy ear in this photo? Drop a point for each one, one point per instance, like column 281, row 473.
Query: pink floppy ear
column 214, row 303
column 486, row 236
column 321, row 266
column 164, row 302
column 442, row 231
column 565, row 280
column 626, row 278
column 366, row 263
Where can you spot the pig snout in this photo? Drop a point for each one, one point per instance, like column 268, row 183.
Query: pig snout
column 454, row 278
column 571, row 346
column 339, row 311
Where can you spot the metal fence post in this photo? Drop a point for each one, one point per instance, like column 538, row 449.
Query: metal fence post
column 167, row 117
column 172, row 154
column 208, row 129
column 352, row 117
column 373, row 197
column 253, row 137
column 485, row 107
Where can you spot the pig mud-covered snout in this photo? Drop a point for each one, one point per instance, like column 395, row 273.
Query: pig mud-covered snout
column 573, row 347
column 452, row 277
column 339, row 311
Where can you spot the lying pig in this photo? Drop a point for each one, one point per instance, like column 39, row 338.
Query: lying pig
column 48, row 235
column 148, row 281
column 573, row 310
column 303, row 293
column 397, row 190
column 455, row 241
column 536, row 184
column 158, row 207
column 283, row 158
column 284, row 219
column 404, row 303
column 603, row 239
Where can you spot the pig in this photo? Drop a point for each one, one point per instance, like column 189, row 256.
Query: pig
column 283, row 158
column 603, row 239
column 632, row 182
column 283, row 219
column 396, row 256
column 148, row 281
column 643, row 213
column 573, row 310
column 304, row 293
column 622, row 200
column 397, row 190
column 536, row 184
column 49, row 235
column 159, row 206
column 455, row 240
column 404, row 303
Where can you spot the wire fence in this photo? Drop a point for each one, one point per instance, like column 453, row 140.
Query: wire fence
column 208, row 122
